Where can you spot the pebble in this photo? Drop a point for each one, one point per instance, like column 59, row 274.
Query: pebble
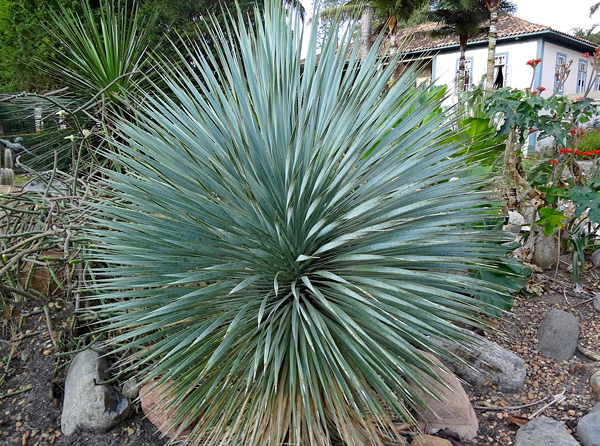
column 595, row 383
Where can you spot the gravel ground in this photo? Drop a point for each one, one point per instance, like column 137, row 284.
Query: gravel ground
column 31, row 382
column 545, row 377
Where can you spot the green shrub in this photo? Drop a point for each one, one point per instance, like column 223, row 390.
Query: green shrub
column 285, row 282
column 590, row 141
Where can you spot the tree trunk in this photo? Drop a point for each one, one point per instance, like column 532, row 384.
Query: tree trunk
column 493, row 6
column 461, row 72
column 366, row 28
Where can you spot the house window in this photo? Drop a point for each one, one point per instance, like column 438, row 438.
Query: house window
column 468, row 76
column 581, row 76
column 561, row 60
column 597, row 81
column 501, row 71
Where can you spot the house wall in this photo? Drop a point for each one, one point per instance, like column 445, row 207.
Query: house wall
column 549, row 62
column 519, row 73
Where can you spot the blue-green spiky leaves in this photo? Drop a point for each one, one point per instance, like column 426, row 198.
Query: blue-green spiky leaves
column 286, row 242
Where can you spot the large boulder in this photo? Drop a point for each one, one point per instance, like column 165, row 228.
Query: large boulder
column 588, row 427
column 544, row 431
column 89, row 405
column 451, row 410
column 486, row 361
column 558, row 334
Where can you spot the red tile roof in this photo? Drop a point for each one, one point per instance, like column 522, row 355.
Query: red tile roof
column 417, row 38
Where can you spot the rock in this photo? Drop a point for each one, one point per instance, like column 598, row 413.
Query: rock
column 588, row 428
column 544, row 431
column 486, row 361
column 430, row 440
column 595, row 383
column 40, row 182
column 130, row 389
column 514, row 229
column 597, row 299
column 153, row 398
column 545, row 250
column 88, row 405
column 452, row 411
column 558, row 334
column 596, row 257
column 514, row 218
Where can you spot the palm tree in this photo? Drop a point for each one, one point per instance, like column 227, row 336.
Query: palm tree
column 393, row 10
column 494, row 7
column 466, row 19
column 462, row 18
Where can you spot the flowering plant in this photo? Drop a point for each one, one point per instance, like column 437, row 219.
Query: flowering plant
column 534, row 62
column 525, row 112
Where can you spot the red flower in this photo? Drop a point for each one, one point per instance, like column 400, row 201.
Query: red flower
column 577, row 152
column 572, row 131
column 540, row 88
column 534, row 62
column 553, row 162
column 568, row 151
column 586, row 153
column 533, row 93
column 531, row 129
column 586, row 55
column 563, row 150
column 596, row 152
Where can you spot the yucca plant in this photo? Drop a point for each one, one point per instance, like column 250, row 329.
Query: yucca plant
column 286, row 245
column 103, row 52
column 103, row 59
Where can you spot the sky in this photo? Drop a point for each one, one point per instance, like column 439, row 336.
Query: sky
column 562, row 15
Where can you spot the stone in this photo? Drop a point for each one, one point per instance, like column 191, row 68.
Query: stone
column 40, row 183
column 154, row 398
column 514, row 218
column 430, row 440
column 131, row 389
column 588, row 428
column 453, row 410
column 88, row 405
column 595, row 259
column 544, row 431
column 486, row 361
column 545, row 250
column 597, row 301
column 595, row 383
column 558, row 334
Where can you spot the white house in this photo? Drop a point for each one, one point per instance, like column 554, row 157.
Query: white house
column 518, row 42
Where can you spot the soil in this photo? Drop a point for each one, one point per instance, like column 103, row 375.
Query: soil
column 33, row 370
column 32, row 417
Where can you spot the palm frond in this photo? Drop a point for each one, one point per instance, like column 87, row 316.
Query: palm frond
column 286, row 244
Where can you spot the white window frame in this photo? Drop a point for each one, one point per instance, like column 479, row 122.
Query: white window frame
column 561, row 58
column 581, row 75
column 501, row 63
column 468, row 74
